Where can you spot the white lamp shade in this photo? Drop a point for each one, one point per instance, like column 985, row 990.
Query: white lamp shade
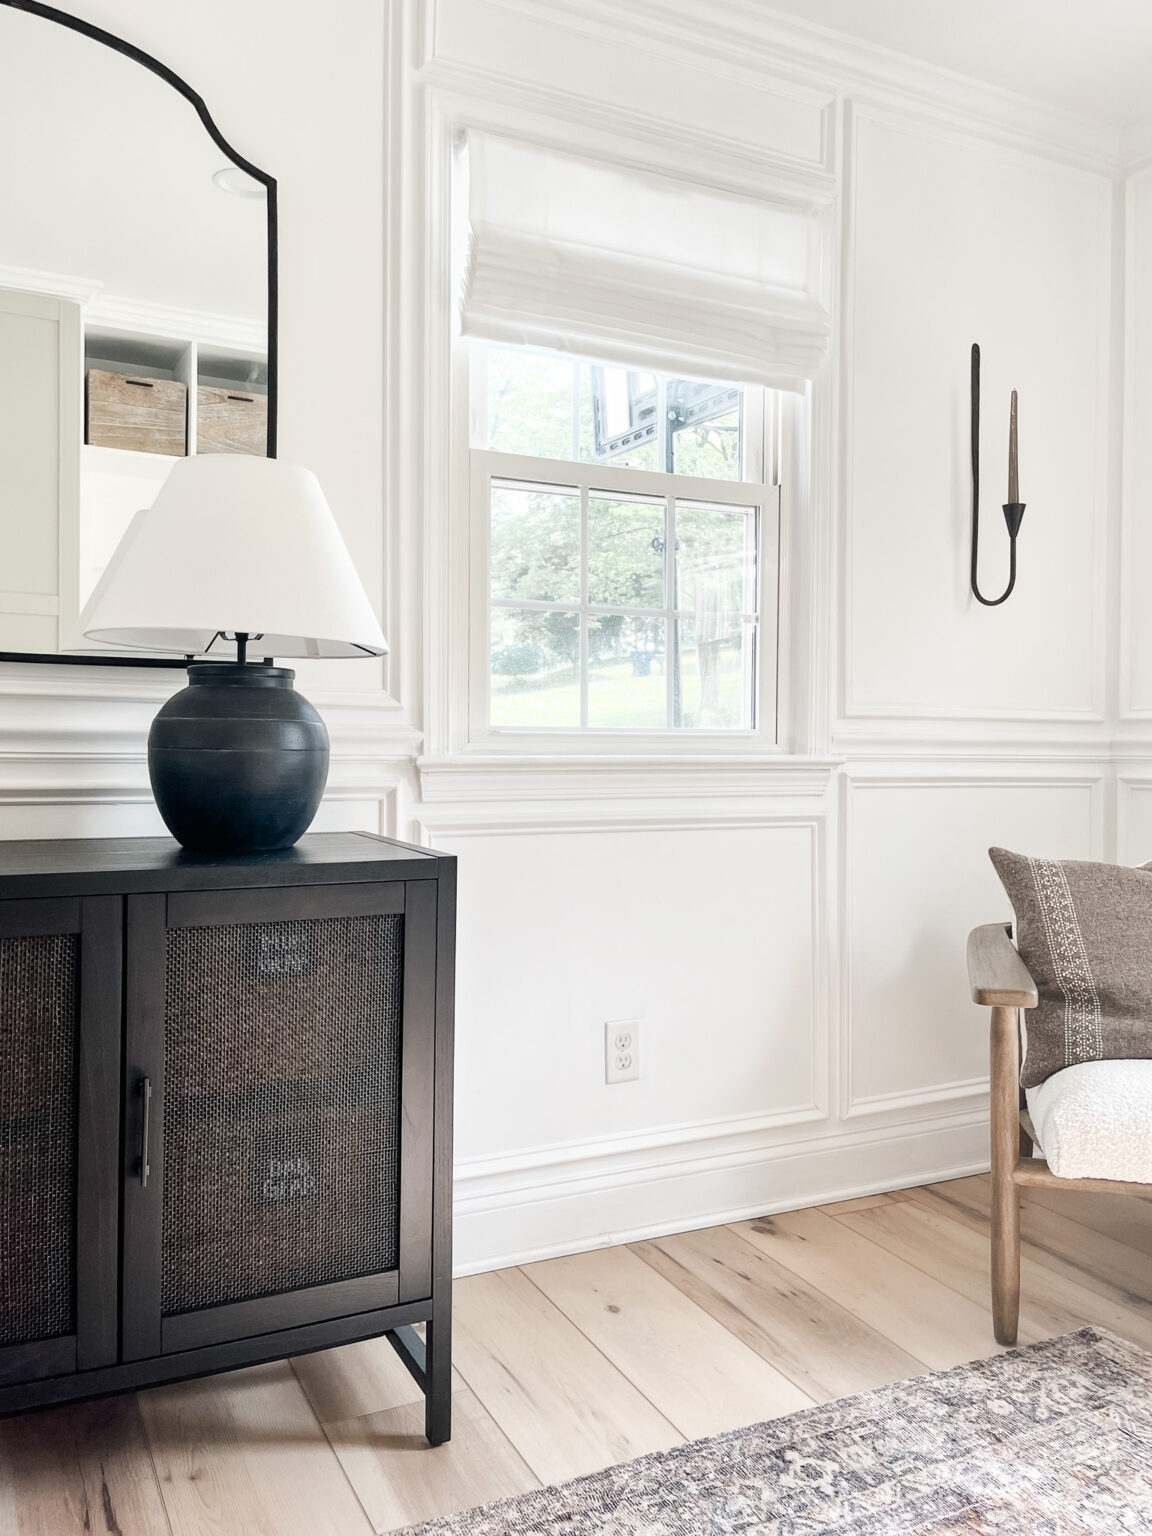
column 235, row 544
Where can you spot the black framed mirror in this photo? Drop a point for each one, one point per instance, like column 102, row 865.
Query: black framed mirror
column 138, row 300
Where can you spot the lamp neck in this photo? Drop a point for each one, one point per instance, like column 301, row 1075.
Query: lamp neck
column 241, row 637
column 252, row 674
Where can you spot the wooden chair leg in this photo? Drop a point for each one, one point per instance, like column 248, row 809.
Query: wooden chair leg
column 1005, row 1126
column 1005, row 1260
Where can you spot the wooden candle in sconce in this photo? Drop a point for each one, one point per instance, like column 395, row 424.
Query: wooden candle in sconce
column 1013, row 467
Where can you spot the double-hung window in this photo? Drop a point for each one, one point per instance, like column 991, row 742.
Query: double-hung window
column 631, row 542
column 626, row 332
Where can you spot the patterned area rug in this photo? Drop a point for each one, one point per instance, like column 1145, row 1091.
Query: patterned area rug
column 1052, row 1440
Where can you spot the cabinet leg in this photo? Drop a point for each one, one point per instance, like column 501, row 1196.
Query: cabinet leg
column 438, row 1374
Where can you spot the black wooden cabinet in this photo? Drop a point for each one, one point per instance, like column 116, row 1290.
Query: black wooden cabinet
column 225, row 1110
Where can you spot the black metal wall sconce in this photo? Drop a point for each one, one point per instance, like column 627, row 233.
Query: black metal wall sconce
column 1013, row 507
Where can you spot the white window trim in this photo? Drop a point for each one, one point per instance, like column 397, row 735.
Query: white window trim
column 432, row 399
column 486, row 465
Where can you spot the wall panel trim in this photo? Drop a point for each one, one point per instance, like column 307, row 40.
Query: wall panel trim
column 504, row 1216
column 855, row 1106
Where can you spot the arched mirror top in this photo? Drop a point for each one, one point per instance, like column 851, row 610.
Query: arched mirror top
column 137, row 309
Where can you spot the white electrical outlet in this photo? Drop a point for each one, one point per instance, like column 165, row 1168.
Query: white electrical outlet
column 621, row 1050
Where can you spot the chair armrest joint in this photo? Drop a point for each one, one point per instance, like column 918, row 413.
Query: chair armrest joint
column 997, row 975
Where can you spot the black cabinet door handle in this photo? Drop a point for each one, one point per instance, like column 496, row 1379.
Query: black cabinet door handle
column 145, row 1091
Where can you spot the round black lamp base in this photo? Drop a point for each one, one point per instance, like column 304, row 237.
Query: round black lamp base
column 238, row 760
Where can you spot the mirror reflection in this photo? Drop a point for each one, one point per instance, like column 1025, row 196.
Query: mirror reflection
column 133, row 312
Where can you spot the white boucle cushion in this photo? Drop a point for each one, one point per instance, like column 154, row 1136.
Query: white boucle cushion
column 1094, row 1120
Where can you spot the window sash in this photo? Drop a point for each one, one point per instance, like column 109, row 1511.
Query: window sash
column 583, row 480
column 759, row 422
column 618, row 480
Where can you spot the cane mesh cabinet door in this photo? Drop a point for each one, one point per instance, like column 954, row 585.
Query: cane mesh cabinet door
column 59, row 1112
column 278, row 1082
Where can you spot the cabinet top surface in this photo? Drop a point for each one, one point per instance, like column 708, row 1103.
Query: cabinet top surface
column 123, row 864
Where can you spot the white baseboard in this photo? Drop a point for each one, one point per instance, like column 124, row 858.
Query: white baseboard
column 502, row 1220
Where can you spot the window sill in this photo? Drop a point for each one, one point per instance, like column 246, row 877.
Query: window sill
column 607, row 776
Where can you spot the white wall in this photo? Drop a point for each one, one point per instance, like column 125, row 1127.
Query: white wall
column 953, row 241
column 932, row 727
column 1136, row 654
column 1134, row 637
column 915, row 877
column 789, row 934
column 654, row 911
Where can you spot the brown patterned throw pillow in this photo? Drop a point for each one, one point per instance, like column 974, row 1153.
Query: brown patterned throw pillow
column 1084, row 931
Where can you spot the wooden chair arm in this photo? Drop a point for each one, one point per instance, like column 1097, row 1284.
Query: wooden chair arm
column 997, row 975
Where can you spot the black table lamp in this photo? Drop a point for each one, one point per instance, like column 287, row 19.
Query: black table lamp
column 245, row 553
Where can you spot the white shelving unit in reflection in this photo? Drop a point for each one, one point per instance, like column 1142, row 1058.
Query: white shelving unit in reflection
column 68, row 501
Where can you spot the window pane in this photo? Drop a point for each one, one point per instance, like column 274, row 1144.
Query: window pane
column 599, row 617
column 716, row 557
column 717, row 674
column 535, row 667
column 620, row 423
column 710, row 450
column 530, row 402
column 627, row 684
column 552, row 406
column 715, row 560
column 626, row 552
column 535, row 550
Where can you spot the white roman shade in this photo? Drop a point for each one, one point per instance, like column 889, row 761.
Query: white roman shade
column 613, row 263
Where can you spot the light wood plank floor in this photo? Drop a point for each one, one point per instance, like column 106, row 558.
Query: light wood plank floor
column 570, row 1365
